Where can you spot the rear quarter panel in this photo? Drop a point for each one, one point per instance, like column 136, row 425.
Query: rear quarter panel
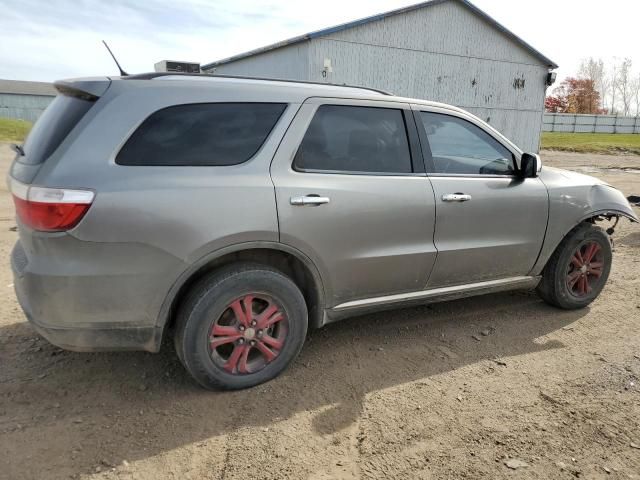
column 180, row 213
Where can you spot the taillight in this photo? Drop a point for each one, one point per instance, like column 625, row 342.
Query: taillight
column 49, row 209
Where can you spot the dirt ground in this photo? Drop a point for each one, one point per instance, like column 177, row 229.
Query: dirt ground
column 538, row 393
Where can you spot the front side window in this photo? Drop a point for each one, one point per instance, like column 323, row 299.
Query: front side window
column 345, row 138
column 460, row 147
column 201, row 134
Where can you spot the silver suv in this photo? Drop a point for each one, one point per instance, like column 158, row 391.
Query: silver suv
column 233, row 214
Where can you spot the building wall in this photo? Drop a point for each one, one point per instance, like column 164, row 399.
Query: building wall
column 291, row 62
column 448, row 28
column 443, row 52
column 485, row 88
column 23, row 107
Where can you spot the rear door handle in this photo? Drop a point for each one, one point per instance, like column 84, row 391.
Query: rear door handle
column 455, row 197
column 309, row 200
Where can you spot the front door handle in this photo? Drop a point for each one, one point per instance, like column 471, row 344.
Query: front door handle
column 309, row 200
column 455, row 197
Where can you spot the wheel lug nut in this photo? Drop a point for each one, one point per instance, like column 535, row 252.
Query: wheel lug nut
column 253, row 342
column 253, row 323
column 259, row 333
column 241, row 341
column 241, row 328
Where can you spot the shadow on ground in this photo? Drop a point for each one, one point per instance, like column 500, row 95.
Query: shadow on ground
column 136, row 405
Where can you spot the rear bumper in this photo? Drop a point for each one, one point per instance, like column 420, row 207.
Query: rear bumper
column 102, row 338
column 76, row 305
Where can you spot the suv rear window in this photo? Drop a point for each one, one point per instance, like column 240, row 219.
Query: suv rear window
column 202, row 134
column 52, row 128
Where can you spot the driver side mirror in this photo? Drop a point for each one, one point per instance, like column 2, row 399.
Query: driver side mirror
column 530, row 165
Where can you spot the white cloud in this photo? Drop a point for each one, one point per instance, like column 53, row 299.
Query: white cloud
column 46, row 40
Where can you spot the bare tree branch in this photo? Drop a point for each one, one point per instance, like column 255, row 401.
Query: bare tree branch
column 624, row 85
column 593, row 69
column 614, row 79
column 635, row 89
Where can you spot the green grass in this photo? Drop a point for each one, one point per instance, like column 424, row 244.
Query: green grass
column 13, row 130
column 592, row 142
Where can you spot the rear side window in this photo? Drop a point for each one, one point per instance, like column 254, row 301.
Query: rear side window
column 52, row 128
column 203, row 134
column 355, row 139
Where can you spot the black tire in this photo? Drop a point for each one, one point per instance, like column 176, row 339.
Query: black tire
column 208, row 309
column 559, row 286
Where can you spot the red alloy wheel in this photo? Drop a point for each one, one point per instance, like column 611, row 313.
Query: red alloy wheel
column 250, row 334
column 585, row 268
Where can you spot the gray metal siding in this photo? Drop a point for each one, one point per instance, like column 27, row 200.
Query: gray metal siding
column 463, row 81
column 444, row 53
column 290, row 62
column 23, row 107
column 484, row 87
column 447, row 28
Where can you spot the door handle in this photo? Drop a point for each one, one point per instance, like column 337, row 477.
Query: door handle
column 455, row 197
column 309, row 200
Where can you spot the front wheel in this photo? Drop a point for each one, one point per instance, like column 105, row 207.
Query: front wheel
column 579, row 268
column 241, row 327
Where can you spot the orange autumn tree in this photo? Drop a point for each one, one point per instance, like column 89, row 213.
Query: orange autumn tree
column 574, row 95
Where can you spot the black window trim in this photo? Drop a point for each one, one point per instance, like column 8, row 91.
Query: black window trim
column 428, row 156
column 137, row 126
column 411, row 131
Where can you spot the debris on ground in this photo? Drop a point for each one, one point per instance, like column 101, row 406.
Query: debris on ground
column 515, row 463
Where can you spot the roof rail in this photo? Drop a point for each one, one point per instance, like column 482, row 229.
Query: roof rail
column 152, row 75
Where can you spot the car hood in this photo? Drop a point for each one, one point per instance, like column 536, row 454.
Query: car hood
column 568, row 177
column 583, row 194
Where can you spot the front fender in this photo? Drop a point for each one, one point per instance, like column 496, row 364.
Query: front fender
column 574, row 198
column 607, row 200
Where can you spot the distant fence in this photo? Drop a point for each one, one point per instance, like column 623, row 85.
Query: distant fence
column 569, row 122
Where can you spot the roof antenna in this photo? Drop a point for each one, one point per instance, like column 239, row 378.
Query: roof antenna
column 122, row 72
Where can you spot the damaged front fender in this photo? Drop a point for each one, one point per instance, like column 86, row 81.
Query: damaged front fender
column 605, row 200
column 574, row 198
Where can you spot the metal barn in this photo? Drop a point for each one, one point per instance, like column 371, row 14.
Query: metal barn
column 24, row 100
column 443, row 50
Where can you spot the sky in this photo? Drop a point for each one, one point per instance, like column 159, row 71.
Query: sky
column 51, row 39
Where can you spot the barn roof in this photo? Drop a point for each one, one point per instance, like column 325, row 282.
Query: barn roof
column 381, row 16
column 20, row 87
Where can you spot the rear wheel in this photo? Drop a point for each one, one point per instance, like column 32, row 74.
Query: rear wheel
column 579, row 268
column 241, row 327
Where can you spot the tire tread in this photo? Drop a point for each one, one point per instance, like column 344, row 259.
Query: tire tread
column 197, row 294
column 547, row 288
